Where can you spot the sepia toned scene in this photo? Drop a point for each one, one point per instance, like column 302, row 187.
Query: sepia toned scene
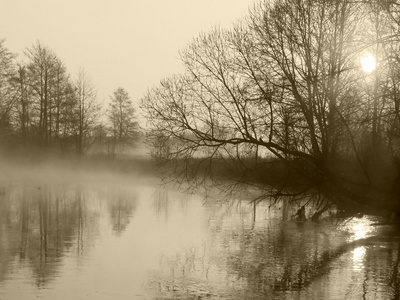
column 200, row 150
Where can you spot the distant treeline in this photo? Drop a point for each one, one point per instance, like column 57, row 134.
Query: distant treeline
column 43, row 108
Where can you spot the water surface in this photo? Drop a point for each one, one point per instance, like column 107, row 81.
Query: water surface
column 121, row 240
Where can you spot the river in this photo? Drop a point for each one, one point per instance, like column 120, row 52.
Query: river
column 82, row 239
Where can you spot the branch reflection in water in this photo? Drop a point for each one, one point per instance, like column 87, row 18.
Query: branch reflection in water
column 282, row 259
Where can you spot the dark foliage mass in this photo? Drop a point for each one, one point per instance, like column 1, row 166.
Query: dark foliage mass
column 284, row 100
column 44, row 109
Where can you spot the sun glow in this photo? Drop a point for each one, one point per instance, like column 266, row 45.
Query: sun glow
column 368, row 63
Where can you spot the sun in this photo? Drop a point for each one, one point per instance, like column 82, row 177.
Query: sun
column 368, row 62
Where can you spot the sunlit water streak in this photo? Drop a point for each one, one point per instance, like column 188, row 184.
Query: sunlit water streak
column 358, row 258
column 119, row 241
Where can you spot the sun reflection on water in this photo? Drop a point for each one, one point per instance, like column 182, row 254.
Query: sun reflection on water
column 358, row 258
column 359, row 229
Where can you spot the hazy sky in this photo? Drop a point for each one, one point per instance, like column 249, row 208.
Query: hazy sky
column 128, row 43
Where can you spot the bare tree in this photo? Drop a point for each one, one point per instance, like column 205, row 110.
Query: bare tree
column 7, row 98
column 40, row 70
column 19, row 82
column 86, row 112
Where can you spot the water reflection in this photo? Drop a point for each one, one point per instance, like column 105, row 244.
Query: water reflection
column 39, row 225
column 287, row 260
column 76, row 241
column 160, row 203
column 121, row 206
column 360, row 228
column 358, row 258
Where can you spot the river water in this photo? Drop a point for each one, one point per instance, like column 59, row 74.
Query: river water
column 81, row 239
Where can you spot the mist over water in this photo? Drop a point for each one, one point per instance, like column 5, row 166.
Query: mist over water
column 85, row 233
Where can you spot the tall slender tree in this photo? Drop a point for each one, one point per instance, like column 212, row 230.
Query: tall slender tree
column 6, row 93
column 41, row 75
column 122, row 119
column 20, row 84
column 86, row 112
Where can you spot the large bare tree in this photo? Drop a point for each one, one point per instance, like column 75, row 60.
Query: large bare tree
column 287, row 83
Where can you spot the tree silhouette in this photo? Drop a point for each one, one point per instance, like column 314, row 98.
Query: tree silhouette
column 123, row 126
column 286, row 84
